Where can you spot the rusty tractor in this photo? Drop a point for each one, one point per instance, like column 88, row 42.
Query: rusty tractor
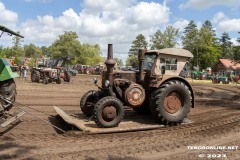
column 157, row 88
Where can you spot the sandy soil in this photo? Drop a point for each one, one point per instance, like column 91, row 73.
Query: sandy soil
column 216, row 119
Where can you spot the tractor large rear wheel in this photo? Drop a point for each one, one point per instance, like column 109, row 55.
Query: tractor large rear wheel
column 7, row 91
column 87, row 102
column 108, row 112
column 35, row 76
column 171, row 102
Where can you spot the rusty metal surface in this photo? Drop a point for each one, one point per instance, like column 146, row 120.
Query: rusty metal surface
column 132, row 122
column 69, row 119
column 135, row 95
column 109, row 113
column 127, row 75
column 110, row 64
column 173, row 102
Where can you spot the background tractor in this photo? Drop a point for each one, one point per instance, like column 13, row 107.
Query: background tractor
column 59, row 64
column 51, row 71
column 157, row 87
column 45, row 74
column 7, row 84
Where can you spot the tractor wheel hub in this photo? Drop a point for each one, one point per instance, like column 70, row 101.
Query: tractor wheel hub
column 109, row 113
column 172, row 103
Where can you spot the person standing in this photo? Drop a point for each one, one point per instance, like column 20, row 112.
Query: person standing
column 24, row 71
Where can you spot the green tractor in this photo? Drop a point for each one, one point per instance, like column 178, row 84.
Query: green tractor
column 7, row 85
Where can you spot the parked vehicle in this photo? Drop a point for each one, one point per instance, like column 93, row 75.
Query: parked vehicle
column 220, row 78
column 45, row 75
column 52, row 70
column 235, row 79
column 72, row 71
column 60, row 65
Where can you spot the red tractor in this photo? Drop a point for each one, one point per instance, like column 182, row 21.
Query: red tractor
column 59, row 64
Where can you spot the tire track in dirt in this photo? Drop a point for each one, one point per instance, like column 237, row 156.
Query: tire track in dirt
column 203, row 130
column 156, row 143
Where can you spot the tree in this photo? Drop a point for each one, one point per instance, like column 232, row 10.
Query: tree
column 132, row 61
column 236, row 53
column 238, row 40
column 190, row 41
column 90, row 54
column 119, row 62
column 67, row 44
column 6, row 52
column 207, row 24
column 190, row 36
column 45, row 50
column 167, row 39
column 32, row 51
column 2, row 55
column 157, row 40
column 16, row 50
column 203, row 44
column 191, row 26
column 226, row 45
column 209, row 50
column 139, row 43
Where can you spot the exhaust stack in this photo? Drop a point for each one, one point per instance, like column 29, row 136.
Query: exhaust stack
column 141, row 55
column 110, row 64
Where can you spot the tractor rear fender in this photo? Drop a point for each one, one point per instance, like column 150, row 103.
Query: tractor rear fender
column 6, row 71
column 178, row 78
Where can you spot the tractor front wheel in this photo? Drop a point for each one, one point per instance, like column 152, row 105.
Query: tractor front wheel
column 45, row 80
column 58, row 80
column 88, row 101
column 108, row 112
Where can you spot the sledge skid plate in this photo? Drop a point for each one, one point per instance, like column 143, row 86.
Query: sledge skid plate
column 12, row 119
column 131, row 122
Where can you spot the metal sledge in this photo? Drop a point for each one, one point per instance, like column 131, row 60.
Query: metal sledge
column 132, row 122
column 12, row 119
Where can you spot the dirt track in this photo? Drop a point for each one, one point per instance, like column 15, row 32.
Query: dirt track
column 216, row 119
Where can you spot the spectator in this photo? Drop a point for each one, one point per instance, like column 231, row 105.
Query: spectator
column 24, row 71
